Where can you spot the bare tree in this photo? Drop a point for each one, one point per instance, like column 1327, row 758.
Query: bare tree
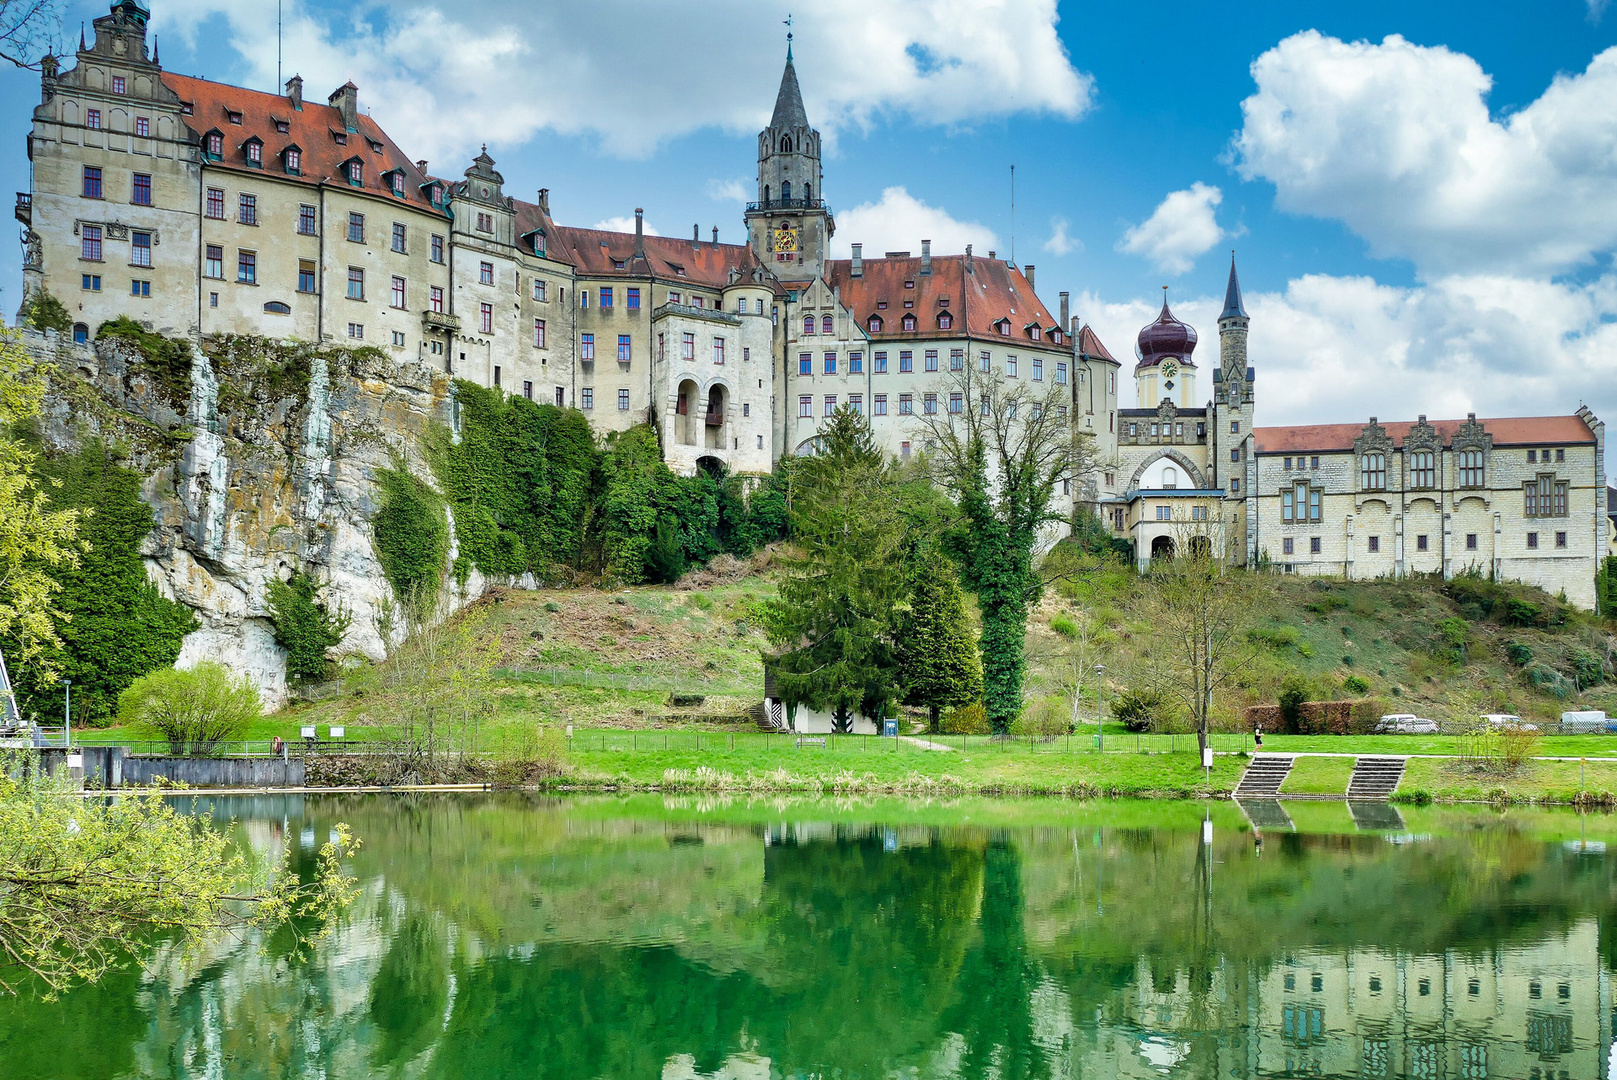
column 1197, row 604
column 1002, row 449
column 30, row 31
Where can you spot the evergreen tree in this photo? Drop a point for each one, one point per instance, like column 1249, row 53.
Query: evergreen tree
column 937, row 649
column 304, row 627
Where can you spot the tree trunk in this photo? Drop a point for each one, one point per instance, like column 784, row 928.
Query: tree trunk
column 935, row 717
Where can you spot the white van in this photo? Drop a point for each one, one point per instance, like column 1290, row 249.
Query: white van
column 1508, row 720
column 1584, row 722
column 1405, row 724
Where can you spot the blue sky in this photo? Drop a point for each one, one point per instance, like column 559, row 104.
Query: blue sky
column 1423, row 198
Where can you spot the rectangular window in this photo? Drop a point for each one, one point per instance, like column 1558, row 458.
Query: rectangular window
column 1038, row 369
column 880, row 360
column 1471, row 541
column 118, row 84
column 856, row 402
column 623, row 401
column 586, row 347
column 485, row 275
column 718, row 350
column 805, row 363
column 539, row 291
column 631, row 299
column 583, row 298
column 586, row 397
column 929, row 403
column 906, row 361
column 687, row 347
column 606, row 299
column 957, row 359
column 1560, row 539
column 856, row 363
column 1373, row 471
column 398, row 237
column 1288, row 463
column 1532, row 457
column 435, row 299
column 496, row 375
column 485, row 318
column 879, row 405
column 957, row 401
column 398, row 339
column 247, row 267
column 830, row 363
column 1164, row 513
column 140, row 248
column 356, row 331
column 1532, row 540
column 906, row 404
column 294, row 161
column 214, row 265
column 805, row 405
column 1560, row 455
column 247, row 208
column 538, row 333
column 437, row 246
column 931, row 359
column 144, row 288
column 92, row 182
column 356, row 283
column 1420, row 542
column 625, row 352
column 1061, row 373
column 140, row 192
column 92, row 119
column 143, row 126
column 985, row 363
column 305, row 276
column 1010, row 367
column 1375, row 544
column 216, row 203
column 1471, row 472
column 830, row 404
column 396, row 292
column 1287, row 547
column 1313, row 545
column 306, row 218
column 485, row 222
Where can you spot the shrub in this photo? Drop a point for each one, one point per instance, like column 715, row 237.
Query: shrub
column 1137, row 709
column 1261, row 717
column 1519, row 654
column 1064, row 625
column 304, row 628
column 1587, row 670
column 966, row 720
column 42, row 311
column 1546, row 680
column 1522, row 613
column 411, row 534
column 1356, row 684
column 1047, row 717
column 1293, row 693
column 1365, row 714
column 193, row 711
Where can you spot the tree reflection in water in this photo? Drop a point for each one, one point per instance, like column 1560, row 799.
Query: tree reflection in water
column 512, row 937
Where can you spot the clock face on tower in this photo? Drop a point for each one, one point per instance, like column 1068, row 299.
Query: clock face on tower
column 785, row 240
column 1170, row 370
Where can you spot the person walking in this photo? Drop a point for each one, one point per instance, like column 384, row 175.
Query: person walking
column 278, row 747
column 1257, row 738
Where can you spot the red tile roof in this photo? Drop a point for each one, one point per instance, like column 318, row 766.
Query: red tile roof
column 1506, row 431
column 977, row 300
column 1089, row 345
column 313, row 130
column 597, row 252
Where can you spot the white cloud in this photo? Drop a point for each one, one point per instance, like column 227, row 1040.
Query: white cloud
column 1396, row 141
column 1060, row 243
column 1182, row 228
column 442, row 77
column 1597, row 8
column 623, row 223
column 1338, row 349
column 727, row 190
column 900, row 221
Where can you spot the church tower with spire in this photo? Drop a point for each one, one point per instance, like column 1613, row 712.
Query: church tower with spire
column 790, row 226
column 1233, row 461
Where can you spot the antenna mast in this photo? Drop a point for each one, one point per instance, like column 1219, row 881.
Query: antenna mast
column 1013, row 215
column 280, row 84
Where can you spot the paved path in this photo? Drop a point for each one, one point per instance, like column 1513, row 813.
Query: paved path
column 925, row 745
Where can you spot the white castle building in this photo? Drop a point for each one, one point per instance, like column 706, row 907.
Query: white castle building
column 197, row 208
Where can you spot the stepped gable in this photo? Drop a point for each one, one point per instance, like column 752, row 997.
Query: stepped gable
column 1089, row 344
column 596, row 252
column 1506, row 431
column 980, row 293
column 312, row 129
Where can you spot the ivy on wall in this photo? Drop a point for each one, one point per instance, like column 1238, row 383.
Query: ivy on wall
column 411, row 534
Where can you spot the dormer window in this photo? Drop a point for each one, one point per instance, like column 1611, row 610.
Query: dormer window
column 292, row 158
column 881, row 305
column 539, row 249
column 340, row 137
column 1004, row 327
column 909, row 323
column 437, row 194
column 213, row 145
column 1055, row 336
column 945, row 321
column 1035, row 333
column 282, row 127
column 679, row 271
column 234, row 116
column 943, row 301
column 187, row 109
column 376, row 147
column 395, row 183
column 617, row 264
column 875, row 324
column 909, row 284
column 356, row 172
column 255, row 152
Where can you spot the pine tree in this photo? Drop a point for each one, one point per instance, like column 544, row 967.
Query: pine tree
column 937, row 649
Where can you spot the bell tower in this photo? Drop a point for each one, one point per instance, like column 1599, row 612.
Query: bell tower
column 790, row 226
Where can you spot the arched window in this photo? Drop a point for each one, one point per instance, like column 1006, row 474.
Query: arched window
column 786, row 191
column 945, row 321
column 785, row 148
column 808, row 324
column 808, row 192
column 909, row 322
column 277, row 307
column 875, row 324
column 1471, row 468
column 766, row 194
column 825, row 325
column 81, row 334
column 1170, row 478
column 1372, row 472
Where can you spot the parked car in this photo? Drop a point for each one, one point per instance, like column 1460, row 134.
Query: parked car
column 1508, row 720
column 1585, row 722
column 1405, row 724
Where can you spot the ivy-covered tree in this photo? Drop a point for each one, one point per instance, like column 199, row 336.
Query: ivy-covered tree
column 304, row 627
column 411, row 535
column 842, row 589
column 936, row 646
column 42, row 311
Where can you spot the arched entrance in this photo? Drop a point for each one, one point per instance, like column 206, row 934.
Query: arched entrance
column 1201, row 547
column 1162, row 547
column 685, row 422
column 717, row 399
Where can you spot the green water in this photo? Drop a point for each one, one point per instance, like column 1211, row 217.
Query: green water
column 677, row 938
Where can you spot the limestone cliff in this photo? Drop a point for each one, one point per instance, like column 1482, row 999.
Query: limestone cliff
column 258, row 458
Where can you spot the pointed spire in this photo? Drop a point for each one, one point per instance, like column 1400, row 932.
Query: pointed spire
column 789, row 111
column 81, row 37
column 1232, row 296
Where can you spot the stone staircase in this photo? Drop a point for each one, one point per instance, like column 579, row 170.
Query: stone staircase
column 1376, row 777
column 1264, row 776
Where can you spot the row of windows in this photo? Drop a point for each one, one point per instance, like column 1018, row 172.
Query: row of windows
column 906, row 405
column 1422, row 470
column 606, row 299
column 143, row 124
column 906, row 363
column 586, row 399
column 1422, row 543
column 140, row 186
column 90, row 246
column 1160, row 430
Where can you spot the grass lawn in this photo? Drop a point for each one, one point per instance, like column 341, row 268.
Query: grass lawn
column 1318, row 776
column 1544, row 781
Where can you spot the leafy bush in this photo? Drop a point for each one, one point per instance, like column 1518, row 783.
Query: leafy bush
column 1293, row 693
column 1278, row 638
column 1455, row 634
column 1064, row 625
column 966, row 720
column 1356, row 684
column 1587, row 670
column 304, row 628
column 1546, row 680
column 1137, row 709
column 193, row 711
column 1522, row 613
column 42, row 311
column 1519, row 654
column 411, row 534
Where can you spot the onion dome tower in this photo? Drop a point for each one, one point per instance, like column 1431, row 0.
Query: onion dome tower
column 1166, row 369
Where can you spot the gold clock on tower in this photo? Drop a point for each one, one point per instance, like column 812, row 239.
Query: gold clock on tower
column 785, row 240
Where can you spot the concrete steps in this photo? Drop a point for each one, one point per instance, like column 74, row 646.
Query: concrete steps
column 1376, row 777
column 1264, row 776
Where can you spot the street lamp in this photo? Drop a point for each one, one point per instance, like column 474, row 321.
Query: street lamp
column 67, row 712
column 1100, row 708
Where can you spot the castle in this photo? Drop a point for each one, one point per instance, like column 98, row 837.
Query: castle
column 199, row 208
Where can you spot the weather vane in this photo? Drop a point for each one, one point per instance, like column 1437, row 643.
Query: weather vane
column 788, row 28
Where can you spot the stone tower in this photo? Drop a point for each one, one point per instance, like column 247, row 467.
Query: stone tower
column 1233, row 464
column 790, row 225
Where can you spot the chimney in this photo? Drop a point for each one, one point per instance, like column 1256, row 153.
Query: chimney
column 345, row 99
column 715, row 234
column 858, row 269
column 926, row 256
column 1422, row 419
column 421, row 166
column 1027, row 272
column 696, row 233
column 992, row 254
column 970, row 269
column 294, row 91
column 639, row 226
column 1065, row 321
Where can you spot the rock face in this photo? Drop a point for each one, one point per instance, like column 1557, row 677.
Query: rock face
column 259, row 458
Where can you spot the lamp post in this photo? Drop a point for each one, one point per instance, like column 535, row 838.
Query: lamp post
column 67, row 712
column 1100, row 708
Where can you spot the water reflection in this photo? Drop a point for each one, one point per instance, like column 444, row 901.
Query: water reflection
column 512, row 937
